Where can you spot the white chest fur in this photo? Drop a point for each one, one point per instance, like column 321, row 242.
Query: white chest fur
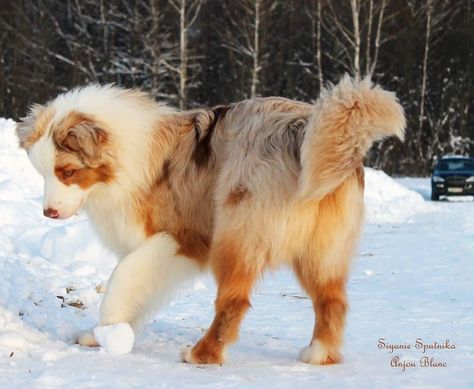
column 116, row 225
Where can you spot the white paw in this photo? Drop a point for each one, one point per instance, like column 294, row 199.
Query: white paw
column 116, row 338
column 186, row 354
column 86, row 338
column 318, row 354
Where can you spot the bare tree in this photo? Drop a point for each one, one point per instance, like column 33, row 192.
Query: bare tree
column 256, row 48
column 315, row 14
column 347, row 30
column 156, row 40
column 244, row 36
column 371, row 62
column 369, row 35
column 355, row 9
column 318, row 45
column 346, row 40
column 429, row 12
column 188, row 11
column 436, row 15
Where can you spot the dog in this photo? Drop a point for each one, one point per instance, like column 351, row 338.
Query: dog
column 237, row 188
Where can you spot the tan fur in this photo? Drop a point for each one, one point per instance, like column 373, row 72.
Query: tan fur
column 83, row 155
column 347, row 121
column 81, row 135
column 237, row 195
column 244, row 188
column 235, row 279
column 34, row 125
column 83, row 176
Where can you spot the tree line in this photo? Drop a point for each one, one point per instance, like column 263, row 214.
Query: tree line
column 204, row 52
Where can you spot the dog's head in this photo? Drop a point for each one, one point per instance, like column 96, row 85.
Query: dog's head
column 70, row 152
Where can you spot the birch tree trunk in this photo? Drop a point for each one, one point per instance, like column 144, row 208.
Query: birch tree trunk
column 244, row 34
column 314, row 14
column 255, row 53
column 105, row 30
column 183, row 66
column 355, row 8
column 377, row 38
column 188, row 11
column 155, row 48
column 318, row 44
column 369, row 37
column 429, row 12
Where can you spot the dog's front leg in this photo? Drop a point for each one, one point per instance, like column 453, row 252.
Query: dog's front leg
column 141, row 283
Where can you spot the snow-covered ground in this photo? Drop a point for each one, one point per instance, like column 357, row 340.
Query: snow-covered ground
column 412, row 278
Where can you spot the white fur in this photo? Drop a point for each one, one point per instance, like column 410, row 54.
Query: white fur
column 67, row 200
column 316, row 353
column 116, row 338
column 108, row 208
column 143, row 281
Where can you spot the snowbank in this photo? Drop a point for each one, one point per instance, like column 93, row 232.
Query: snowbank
column 388, row 201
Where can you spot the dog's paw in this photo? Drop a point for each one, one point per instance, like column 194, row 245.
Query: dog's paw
column 318, row 354
column 86, row 338
column 200, row 356
column 117, row 338
column 186, row 355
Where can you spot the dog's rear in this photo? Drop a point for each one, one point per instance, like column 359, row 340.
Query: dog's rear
column 348, row 118
column 291, row 190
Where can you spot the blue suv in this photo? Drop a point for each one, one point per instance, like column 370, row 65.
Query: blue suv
column 452, row 176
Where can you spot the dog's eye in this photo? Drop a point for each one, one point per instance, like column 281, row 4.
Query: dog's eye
column 68, row 173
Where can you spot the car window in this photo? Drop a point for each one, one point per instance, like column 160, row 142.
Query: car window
column 455, row 164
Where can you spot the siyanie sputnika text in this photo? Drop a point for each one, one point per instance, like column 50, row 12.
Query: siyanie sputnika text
column 419, row 344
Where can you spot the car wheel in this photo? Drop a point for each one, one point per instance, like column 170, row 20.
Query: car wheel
column 434, row 197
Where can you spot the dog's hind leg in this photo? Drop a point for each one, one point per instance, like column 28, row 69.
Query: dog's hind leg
column 235, row 273
column 141, row 282
column 330, row 305
column 323, row 265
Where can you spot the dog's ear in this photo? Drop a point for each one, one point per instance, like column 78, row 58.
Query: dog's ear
column 205, row 120
column 82, row 136
column 31, row 127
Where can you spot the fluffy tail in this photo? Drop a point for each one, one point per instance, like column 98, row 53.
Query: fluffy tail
column 348, row 118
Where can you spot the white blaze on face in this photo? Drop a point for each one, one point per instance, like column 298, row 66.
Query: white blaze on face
column 65, row 199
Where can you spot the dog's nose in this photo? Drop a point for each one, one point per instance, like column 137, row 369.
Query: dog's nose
column 51, row 212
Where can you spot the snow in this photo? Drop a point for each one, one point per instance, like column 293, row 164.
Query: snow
column 389, row 201
column 116, row 339
column 412, row 278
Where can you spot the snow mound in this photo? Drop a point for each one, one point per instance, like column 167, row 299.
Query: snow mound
column 80, row 242
column 116, row 339
column 388, row 201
